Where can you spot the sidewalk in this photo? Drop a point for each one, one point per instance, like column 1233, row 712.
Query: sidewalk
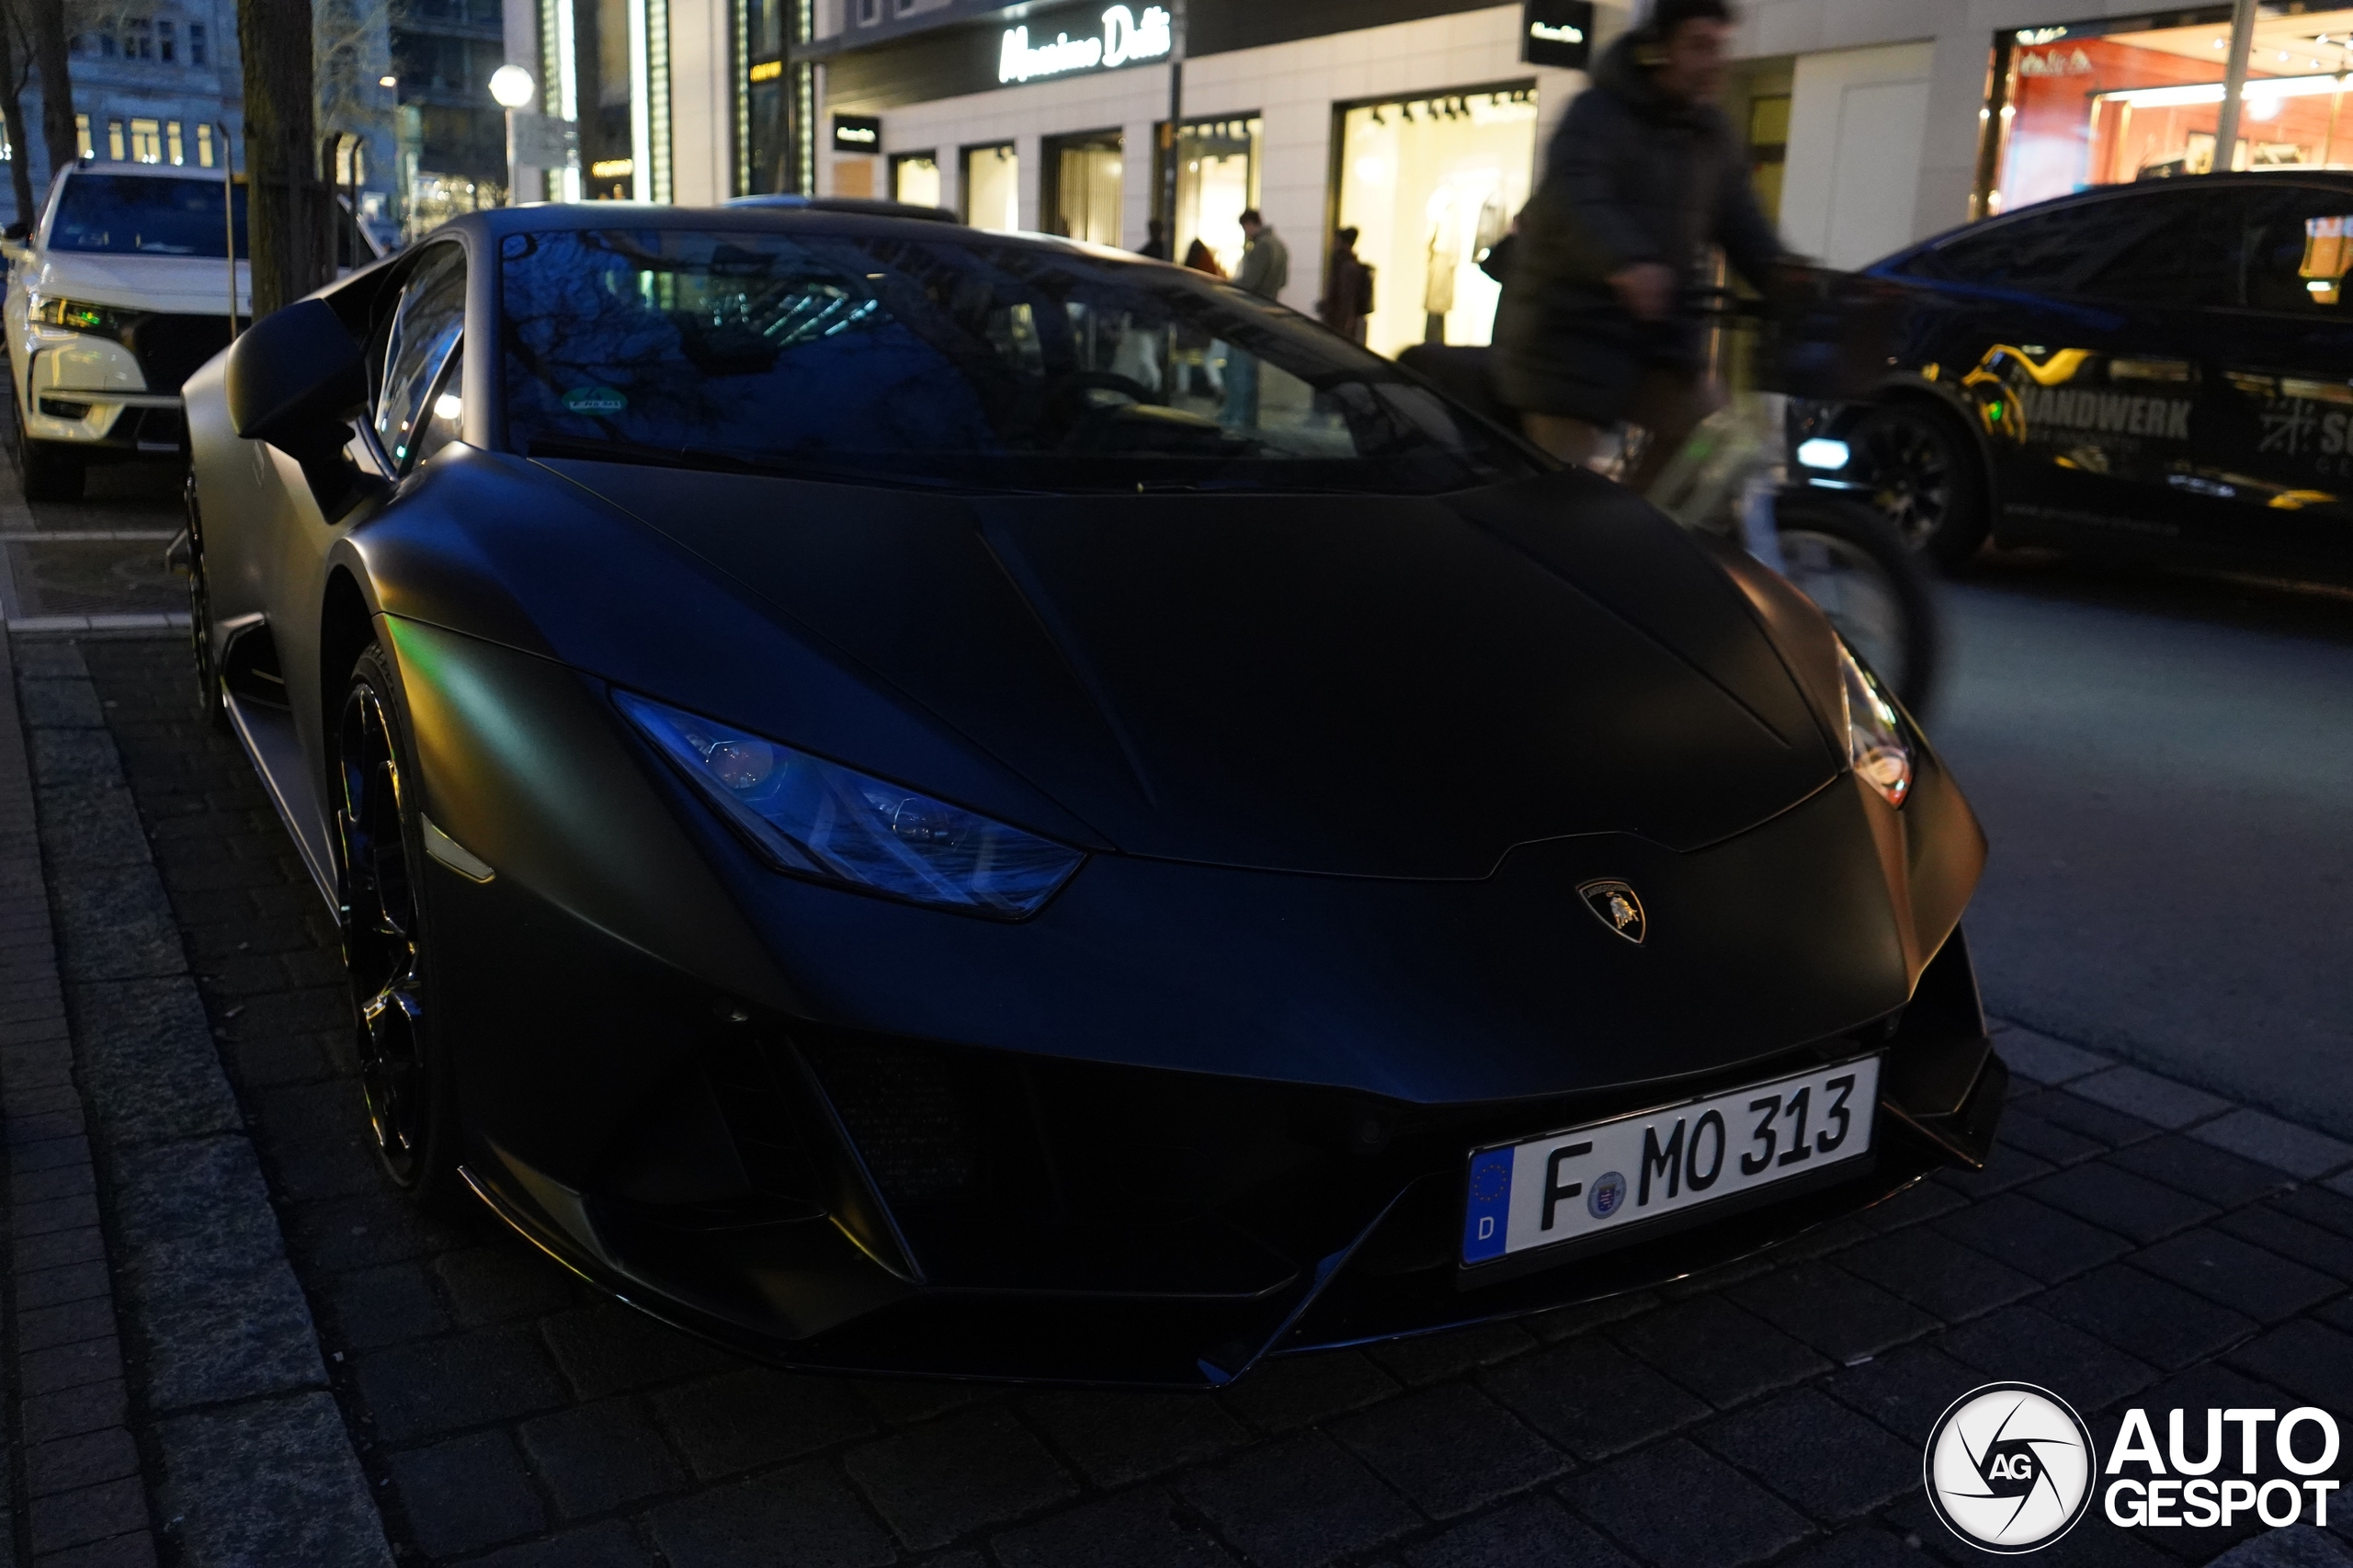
column 230, row 1345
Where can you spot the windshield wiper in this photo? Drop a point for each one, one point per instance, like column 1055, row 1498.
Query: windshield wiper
column 720, row 460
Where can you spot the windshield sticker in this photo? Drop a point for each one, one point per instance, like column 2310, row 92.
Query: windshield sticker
column 594, row 400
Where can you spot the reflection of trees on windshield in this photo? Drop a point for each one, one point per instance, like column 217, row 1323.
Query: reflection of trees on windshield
column 947, row 360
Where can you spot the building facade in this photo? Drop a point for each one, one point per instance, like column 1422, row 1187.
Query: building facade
column 1419, row 123
column 160, row 82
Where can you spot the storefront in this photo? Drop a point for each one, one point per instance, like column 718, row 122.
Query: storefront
column 1420, row 129
column 1430, row 184
column 2105, row 103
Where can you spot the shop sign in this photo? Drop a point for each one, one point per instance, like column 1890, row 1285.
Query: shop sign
column 858, row 133
column 1557, row 32
column 1125, row 37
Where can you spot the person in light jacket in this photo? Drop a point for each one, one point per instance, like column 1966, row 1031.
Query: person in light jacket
column 1265, row 271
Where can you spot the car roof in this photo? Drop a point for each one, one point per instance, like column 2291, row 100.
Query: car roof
column 2341, row 178
column 826, row 215
column 143, row 171
column 869, row 204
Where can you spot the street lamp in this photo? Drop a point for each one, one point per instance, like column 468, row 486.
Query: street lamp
column 512, row 88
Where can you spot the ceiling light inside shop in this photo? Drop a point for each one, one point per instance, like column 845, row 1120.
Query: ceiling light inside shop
column 1372, row 170
column 2271, row 89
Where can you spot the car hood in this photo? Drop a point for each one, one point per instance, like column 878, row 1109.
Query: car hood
column 1349, row 684
column 183, row 284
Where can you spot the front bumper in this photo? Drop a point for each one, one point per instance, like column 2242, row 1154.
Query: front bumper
column 831, row 1201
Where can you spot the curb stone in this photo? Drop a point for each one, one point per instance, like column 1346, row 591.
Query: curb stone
column 249, row 1455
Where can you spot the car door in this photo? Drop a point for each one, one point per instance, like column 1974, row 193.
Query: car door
column 2282, row 345
column 410, row 350
column 2082, row 364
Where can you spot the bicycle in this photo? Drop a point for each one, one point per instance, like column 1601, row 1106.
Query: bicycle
column 1732, row 478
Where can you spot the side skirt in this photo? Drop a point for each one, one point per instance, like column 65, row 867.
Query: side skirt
column 269, row 739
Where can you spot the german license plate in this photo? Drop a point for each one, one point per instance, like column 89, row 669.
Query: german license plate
column 1568, row 1186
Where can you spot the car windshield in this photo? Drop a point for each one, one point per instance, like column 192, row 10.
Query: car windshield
column 146, row 215
column 953, row 359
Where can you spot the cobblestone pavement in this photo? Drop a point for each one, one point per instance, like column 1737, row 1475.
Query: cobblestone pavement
column 2135, row 1242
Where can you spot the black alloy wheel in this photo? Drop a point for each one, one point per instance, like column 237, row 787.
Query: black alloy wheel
column 401, row 1071
column 199, row 621
column 1924, row 477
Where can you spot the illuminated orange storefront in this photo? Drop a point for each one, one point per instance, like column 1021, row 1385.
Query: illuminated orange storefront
column 2105, row 103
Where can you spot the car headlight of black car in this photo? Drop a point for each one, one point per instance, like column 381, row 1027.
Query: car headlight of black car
column 1875, row 740
column 831, row 822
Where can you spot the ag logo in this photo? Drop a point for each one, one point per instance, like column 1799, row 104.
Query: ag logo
column 1614, row 903
column 2009, row 1468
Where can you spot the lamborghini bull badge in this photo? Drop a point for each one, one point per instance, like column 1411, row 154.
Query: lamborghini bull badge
column 1616, row 906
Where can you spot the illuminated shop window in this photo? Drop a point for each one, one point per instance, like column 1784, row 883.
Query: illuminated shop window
column 1430, row 185
column 992, row 187
column 2108, row 104
column 1217, row 178
column 146, row 142
column 914, row 177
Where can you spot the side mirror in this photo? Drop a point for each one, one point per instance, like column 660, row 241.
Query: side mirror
column 295, row 379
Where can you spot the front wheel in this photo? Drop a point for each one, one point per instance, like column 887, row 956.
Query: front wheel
column 49, row 471
column 403, row 1072
column 199, row 620
column 1924, row 477
column 1857, row 569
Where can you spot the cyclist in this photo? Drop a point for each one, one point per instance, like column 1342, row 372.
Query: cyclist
column 1596, row 327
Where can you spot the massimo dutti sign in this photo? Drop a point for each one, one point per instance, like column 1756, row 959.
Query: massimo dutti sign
column 1121, row 35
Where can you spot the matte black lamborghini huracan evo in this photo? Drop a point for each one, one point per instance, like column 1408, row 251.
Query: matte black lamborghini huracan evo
column 917, row 800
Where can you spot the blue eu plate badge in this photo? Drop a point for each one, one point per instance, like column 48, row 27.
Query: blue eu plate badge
column 1489, row 1210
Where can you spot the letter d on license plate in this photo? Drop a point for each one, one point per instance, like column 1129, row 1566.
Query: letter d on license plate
column 1568, row 1186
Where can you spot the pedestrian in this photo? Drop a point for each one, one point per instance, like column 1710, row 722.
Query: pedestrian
column 1348, row 288
column 1596, row 328
column 1265, row 271
column 1155, row 240
column 1265, row 260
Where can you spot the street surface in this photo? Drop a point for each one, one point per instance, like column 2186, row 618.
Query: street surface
column 2156, row 762
column 2163, row 766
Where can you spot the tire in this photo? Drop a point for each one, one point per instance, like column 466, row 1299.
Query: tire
column 208, row 694
column 1849, row 561
column 1926, row 478
column 403, row 1067
column 49, row 472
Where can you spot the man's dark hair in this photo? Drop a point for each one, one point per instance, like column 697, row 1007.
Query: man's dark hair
column 1347, row 238
column 1669, row 15
column 1250, row 215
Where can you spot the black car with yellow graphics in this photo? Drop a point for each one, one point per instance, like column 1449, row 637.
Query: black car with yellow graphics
column 2163, row 370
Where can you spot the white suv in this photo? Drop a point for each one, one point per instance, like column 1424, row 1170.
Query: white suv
column 121, row 293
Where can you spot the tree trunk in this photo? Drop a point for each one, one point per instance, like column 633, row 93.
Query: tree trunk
column 287, row 212
column 45, row 22
column 12, row 109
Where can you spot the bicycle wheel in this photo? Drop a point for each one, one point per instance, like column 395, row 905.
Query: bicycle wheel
column 1853, row 564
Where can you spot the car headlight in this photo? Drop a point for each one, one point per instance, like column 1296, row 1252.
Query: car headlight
column 1875, row 741
column 76, row 316
column 826, row 821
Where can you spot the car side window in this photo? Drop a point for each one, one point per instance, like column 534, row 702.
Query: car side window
column 2293, row 250
column 2041, row 251
column 426, row 328
column 2169, row 247
column 443, row 411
